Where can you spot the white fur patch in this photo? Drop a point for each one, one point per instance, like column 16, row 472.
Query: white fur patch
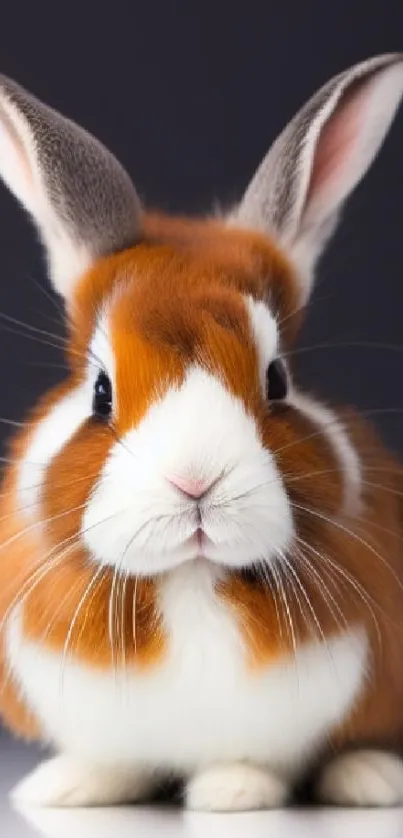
column 202, row 432
column 202, row 705
column 337, row 435
column 49, row 437
column 266, row 336
column 101, row 353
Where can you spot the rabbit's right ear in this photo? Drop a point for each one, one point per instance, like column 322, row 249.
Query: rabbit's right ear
column 303, row 182
column 81, row 199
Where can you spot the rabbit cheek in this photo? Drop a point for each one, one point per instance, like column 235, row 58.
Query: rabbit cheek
column 71, row 477
column 307, row 459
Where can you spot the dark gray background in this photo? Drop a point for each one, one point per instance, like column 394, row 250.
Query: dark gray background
column 189, row 95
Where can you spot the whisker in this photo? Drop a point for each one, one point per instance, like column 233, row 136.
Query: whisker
column 38, row 524
column 12, row 422
column 39, row 564
column 46, row 365
column 134, row 616
column 119, row 567
column 292, row 570
column 71, row 546
column 39, row 335
column 26, row 591
column 398, row 471
column 94, row 579
column 31, row 328
column 350, row 532
column 64, row 484
column 363, row 594
column 361, row 344
column 111, row 616
column 303, row 306
column 320, row 584
column 37, row 338
column 45, row 566
column 60, row 340
column 384, row 488
column 40, row 561
column 62, row 314
column 123, row 600
column 32, row 583
column 320, row 430
column 276, row 571
column 265, row 570
column 122, row 443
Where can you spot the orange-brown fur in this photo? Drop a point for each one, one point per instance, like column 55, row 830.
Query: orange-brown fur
column 175, row 298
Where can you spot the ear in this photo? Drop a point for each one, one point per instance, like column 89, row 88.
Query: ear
column 319, row 158
column 81, row 199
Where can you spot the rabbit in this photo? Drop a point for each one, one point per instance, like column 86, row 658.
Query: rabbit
column 201, row 569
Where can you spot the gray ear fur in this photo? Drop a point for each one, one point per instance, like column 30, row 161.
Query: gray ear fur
column 81, row 199
column 320, row 157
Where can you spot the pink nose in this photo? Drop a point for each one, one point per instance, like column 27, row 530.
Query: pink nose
column 190, row 487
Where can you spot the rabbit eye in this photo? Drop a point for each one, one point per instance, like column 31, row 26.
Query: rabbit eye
column 276, row 380
column 102, row 402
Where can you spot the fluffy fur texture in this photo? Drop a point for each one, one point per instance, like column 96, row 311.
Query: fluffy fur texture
column 205, row 581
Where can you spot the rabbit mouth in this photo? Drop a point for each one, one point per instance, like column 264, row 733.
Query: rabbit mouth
column 201, row 542
column 200, row 536
column 224, row 537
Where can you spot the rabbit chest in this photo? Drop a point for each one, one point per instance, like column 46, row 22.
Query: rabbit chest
column 203, row 702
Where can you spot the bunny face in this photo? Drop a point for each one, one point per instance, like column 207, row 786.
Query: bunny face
column 181, row 418
column 185, row 369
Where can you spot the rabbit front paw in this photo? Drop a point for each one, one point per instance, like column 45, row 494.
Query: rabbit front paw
column 66, row 782
column 363, row 778
column 235, row 787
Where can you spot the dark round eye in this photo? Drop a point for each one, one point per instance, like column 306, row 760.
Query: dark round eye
column 102, row 403
column 277, row 383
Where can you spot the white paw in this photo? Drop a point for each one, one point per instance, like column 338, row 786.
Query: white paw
column 234, row 788
column 363, row 778
column 64, row 781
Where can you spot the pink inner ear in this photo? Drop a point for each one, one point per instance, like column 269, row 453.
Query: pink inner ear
column 336, row 144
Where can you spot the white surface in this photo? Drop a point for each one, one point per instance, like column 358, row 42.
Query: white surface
column 147, row 822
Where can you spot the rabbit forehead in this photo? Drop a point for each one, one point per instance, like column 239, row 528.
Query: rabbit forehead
column 179, row 261
column 148, row 346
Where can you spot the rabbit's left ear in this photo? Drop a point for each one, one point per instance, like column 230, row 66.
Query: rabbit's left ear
column 79, row 196
column 320, row 157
